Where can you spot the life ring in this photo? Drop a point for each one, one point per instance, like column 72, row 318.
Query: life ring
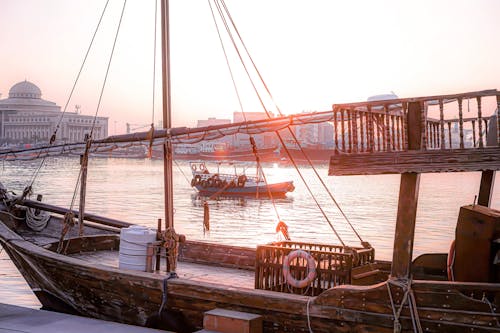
column 193, row 167
column 242, row 180
column 311, row 269
column 451, row 262
column 202, row 167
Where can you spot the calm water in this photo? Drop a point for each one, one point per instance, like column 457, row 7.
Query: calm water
column 132, row 190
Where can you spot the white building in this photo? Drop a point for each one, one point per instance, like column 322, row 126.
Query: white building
column 26, row 117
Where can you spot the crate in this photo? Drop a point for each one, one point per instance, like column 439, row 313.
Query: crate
column 333, row 266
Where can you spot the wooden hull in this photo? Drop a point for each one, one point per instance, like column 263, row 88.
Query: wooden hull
column 100, row 291
column 277, row 190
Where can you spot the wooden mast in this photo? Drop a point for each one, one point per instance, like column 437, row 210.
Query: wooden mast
column 408, row 198
column 167, row 119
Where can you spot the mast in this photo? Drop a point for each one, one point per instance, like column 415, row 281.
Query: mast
column 167, row 117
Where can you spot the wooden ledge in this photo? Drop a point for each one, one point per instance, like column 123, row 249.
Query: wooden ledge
column 450, row 160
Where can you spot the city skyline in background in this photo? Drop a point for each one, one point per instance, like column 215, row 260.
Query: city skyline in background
column 311, row 55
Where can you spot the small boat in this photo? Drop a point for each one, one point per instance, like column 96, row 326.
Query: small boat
column 235, row 184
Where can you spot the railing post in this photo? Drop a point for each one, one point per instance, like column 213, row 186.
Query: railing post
column 371, row 133
column 336, row 125
column 405, row 125
column 361, row 132
column 354, row 129
column 387, row 128
column 479, row 121
column 460, row 123
column 498, row 119
column 441, row 121
column 342, row 128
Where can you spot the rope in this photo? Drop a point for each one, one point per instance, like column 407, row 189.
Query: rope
column 171, row 275
column 308, row 316
column 409, row 297
column 179, row 167
column 37, row 221
column 154, row 64
column 289, row 129
column 267, row 112
column 53, row 137
column 69, row 217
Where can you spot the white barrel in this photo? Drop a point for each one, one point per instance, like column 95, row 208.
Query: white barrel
column 133, row 247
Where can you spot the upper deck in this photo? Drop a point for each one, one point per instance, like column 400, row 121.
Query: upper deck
column 458, row 132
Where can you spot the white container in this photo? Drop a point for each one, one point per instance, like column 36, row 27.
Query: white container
column 133, row 247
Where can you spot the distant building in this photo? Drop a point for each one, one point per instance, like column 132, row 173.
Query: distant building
column 218, row 144
column 264, row 140
column 27, row 118
column 319, row 135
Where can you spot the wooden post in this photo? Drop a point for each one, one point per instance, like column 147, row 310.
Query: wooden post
column 342, row 128
column 461, row 123
column 387, row 132
column 405, row 126
column 349, row 129
column 335, row 123
column 354, row 129
column 498, row 120
column 377, row 117
column 486, row 188
column 398, row 131
column 371, row 133
column 393, row 133
column 479, row 121
column 408, row 199
column 474, row 133
column 361, row 134
column 158, row 238
column 441, row 121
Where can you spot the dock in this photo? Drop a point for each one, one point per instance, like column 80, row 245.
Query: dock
column 20, row 319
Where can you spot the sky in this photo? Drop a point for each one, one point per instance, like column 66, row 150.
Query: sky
column 310, row 53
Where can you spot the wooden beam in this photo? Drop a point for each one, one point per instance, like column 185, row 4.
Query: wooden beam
column 87, row 216
column 408, row 198
column 449, row 160
column 486, row 188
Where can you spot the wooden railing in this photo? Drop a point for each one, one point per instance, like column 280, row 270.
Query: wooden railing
column 382, row 126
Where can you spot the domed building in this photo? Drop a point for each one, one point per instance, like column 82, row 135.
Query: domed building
column 27, row 118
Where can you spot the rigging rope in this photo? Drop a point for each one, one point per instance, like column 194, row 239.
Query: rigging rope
column 69, row 217
column 53, row 137
column 290, row 130
column 267, row 112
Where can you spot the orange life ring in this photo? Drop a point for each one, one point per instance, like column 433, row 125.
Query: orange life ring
column 193, row 167
column 451, row 262
column 311, row 268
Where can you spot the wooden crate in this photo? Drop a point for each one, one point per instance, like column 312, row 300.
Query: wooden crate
column 333, row 266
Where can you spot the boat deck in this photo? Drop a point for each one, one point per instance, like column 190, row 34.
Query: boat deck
column 240, row 278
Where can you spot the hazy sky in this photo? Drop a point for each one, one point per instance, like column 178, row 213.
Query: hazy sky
column 311, row 53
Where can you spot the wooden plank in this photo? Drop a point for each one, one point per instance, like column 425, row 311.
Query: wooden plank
column 408, row 198
column 87, row 217
column 452, row 160
column 486, row 188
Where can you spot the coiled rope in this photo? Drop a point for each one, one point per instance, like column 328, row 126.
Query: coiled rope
column 37, row 219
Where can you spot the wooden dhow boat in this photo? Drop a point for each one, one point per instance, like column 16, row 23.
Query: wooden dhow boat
column 351, row 291
column 72, row 259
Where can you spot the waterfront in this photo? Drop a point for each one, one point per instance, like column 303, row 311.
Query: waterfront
column 131, row 190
